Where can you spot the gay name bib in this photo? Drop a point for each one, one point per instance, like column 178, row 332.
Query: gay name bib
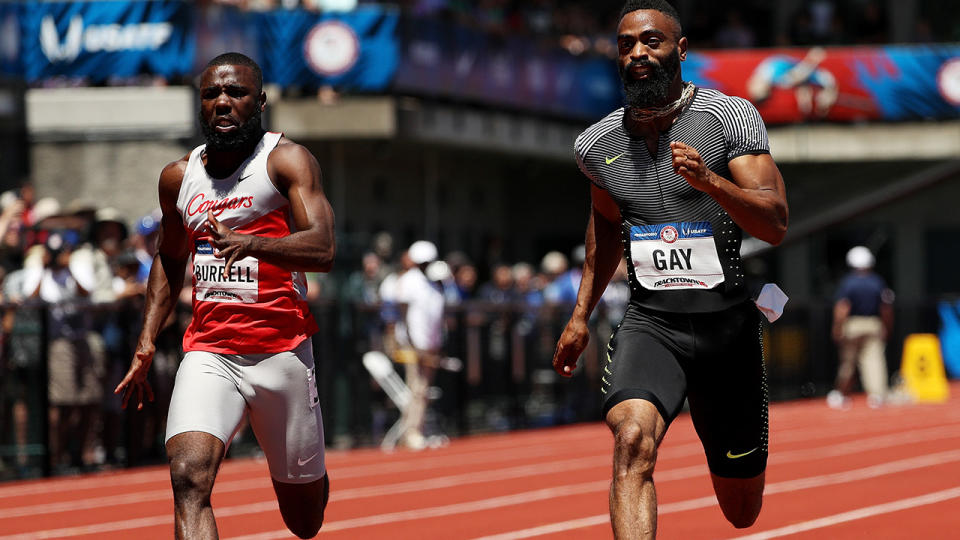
column 673, row 256
column 211, row 285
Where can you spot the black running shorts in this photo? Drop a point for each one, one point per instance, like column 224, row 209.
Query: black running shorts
column 715, row 360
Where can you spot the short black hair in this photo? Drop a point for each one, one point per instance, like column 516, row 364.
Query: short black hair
column 239, row 59
column 657, row 5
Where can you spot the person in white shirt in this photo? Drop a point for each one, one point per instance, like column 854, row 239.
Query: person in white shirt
column 419, row 334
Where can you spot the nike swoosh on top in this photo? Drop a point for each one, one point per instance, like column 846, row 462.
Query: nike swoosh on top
column 301, row 462
column 242, row 178
column 737, row 456
column 614, row 158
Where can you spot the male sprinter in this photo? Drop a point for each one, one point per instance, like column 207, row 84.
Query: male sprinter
column 249, row 207
column 677, row 174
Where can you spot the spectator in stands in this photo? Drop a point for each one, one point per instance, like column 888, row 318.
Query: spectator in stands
column 440, row 274
column 552, row 266
column 563, row 289
column 862, row 322
column 382, row 245
column 12, row 210
column 528, row 289
column 75, row 360
column 466, row 278
column 499, row 290
column 363, row 285
column 418, row 334
column 734, row 34
column 144, row 243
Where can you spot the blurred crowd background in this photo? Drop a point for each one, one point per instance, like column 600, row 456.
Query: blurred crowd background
column 582, row 27
column 453, row 124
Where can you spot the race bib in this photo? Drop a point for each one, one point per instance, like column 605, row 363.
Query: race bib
column 210, row 285
column 675, row 256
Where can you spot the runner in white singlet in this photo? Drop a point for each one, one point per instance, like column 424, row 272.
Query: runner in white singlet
column 248, row 207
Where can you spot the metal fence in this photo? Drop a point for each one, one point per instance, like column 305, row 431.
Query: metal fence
column 506, row 381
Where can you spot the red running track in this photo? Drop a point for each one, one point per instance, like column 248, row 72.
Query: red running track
column 887, row 473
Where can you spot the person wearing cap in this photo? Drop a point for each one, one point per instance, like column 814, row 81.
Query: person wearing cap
column 862, row 321
column 144, row 243
column 563, row 289
column 76, row 359
column 418, row 335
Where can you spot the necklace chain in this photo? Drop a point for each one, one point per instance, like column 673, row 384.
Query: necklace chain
column 652, row 113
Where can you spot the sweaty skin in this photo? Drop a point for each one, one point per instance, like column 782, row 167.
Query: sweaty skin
column 229, row 97
column 754, row 197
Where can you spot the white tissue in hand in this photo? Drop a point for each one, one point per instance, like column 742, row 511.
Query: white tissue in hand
column 770, row 301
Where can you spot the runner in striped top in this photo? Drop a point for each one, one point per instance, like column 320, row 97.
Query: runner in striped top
column 677, row 176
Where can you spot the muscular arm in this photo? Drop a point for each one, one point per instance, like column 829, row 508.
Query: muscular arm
column 163, row 285
column 311, row 247
column 169, row 264
column 754, row 196
column 603, row 254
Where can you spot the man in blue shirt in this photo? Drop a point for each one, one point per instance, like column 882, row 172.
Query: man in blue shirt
column 862, row 320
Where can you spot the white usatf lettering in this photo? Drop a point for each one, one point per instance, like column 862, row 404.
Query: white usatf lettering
column 99, row 37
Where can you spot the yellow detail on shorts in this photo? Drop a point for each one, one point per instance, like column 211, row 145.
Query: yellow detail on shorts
column 738, row 456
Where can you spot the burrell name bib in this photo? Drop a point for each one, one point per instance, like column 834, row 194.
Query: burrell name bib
column 671, row 256
column 211, row 285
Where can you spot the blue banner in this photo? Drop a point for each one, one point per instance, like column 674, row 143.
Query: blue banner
column 10, row 38
column 351, row 51
column 223, row 28
column 100, row 40
column 445, row 60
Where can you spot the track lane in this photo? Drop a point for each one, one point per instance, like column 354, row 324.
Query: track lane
column 808, row 440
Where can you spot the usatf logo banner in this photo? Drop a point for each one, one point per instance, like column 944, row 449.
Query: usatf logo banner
column 96, row 41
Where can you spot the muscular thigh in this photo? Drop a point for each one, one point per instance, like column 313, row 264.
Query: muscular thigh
column 643, row 361
column 206, row 397
column 728, row 392
column 285, row 415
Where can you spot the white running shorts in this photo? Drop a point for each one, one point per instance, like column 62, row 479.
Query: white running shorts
column 277, row 393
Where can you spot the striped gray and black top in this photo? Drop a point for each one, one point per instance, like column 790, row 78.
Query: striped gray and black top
column 682, row 247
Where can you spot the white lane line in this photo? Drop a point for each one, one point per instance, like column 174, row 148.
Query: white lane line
column 910, row 437
column 237, row 468
column 414, row 461
column 507, row 500
column 777, row 487
column 573, row 524
column 859, row 513
column 509, row 473
column 680, row 506
column 230, row 467
column 451, row 509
